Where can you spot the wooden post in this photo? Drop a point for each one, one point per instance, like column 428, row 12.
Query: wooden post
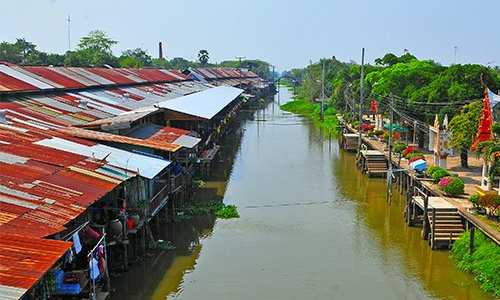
column 433, row 229
column 471, row 238
column 426, row 227
column 410, row 208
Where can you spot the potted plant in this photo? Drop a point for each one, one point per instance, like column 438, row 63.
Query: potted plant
column 452, row 186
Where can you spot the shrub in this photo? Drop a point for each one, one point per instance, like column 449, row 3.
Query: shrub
column 490, row 202
column 385, row 137
column 473, row 199
column 452, row 186
column 439, row 174
column 398, row 148
column 430, row 170
column 410, row 150
column 412, row 155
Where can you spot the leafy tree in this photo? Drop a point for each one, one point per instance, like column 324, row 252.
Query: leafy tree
column 94, row 50
column 136, row 58
column 25, row 47
column 203, row 57
column 10, row 53
column 463, row 126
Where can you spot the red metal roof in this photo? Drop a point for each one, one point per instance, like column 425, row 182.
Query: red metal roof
column 48, row 73
column 111, row 75
column 25, row 259
column 9, row 83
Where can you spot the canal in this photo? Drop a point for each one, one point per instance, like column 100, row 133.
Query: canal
column 311, row 226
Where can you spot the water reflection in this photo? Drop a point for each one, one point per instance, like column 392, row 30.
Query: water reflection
column 311, row 226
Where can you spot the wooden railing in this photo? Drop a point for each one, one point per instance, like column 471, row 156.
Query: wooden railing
column 158, row 201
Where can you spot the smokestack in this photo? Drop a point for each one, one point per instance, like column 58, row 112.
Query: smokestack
column 160, row 49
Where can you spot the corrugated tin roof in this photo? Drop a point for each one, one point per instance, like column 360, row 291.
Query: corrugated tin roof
column 24, row 260
column 50, row 74
column 165, row 134
column 205, row 104
column 103, row 136
column 146, row 166
column 29, row 81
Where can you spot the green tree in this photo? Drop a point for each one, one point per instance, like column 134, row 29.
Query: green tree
column 203, row 57
column 463, row 126
column 25, row 47
column 10, row 53
column 94, row 50
column 136, row 58
column 490, row 151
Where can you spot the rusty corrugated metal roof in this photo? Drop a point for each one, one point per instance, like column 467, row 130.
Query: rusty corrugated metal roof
column 24, row 260
column 103, row 136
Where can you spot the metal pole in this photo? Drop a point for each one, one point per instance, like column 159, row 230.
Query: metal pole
column 239, row 66
column 391, row 132
column 323, row 92
column 361, row 96
column 311, row 80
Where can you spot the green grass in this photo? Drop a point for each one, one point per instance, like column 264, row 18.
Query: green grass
column 312, row 110
column 484, row 262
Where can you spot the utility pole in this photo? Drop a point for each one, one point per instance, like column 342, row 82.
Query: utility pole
column 322, row 92
column 239, row 68
column 69, row 32
column 311, row 80
column 361, row 96
column 389, row 171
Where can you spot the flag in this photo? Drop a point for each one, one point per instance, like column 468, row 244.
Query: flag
column 244, row 100
column 218, row 129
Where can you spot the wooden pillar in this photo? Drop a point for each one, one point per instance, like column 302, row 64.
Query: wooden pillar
column 410, row 213
column 426, row 227
column 472, row 230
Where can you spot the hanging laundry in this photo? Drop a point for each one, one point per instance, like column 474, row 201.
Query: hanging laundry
column 76, row 243
column 94, row 268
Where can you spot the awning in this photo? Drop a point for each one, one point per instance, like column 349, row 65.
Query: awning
column 146, row 166
column 25, row 260
column 205, row 104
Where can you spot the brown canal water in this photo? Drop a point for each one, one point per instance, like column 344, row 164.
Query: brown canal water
column 311, row 227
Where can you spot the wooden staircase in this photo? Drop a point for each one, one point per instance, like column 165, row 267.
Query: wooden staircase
column 446, row 227
column 373, row 163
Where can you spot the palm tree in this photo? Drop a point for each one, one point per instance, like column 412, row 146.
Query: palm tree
column 203, row 57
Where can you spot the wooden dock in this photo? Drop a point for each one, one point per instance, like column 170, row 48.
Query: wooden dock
column 373, row 163
column 441, row 220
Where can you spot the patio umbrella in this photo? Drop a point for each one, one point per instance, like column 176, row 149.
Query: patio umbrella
column 395, row 127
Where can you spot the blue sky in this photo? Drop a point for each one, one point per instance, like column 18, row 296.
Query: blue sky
column 286, row 33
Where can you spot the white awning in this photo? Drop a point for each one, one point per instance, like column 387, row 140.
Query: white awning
column 205, row 104
column 147, row 166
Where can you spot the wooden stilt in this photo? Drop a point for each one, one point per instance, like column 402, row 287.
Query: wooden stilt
column 426, row 228
column 472, row 230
